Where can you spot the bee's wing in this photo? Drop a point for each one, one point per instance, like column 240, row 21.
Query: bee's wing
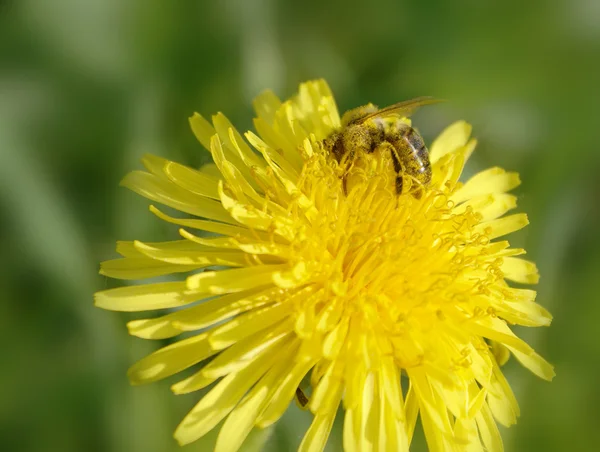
column 403, row 109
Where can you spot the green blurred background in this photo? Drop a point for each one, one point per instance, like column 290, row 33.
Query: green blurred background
column 88, row 86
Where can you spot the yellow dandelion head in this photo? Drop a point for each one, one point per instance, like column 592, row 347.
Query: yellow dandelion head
column 395, row 303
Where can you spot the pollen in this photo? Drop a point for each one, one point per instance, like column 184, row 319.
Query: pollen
column 396, row 307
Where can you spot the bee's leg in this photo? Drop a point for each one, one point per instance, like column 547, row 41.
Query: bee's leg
column 417, row 192
column 414, row 187
column 404, row 182
column 398, row 168
column 301, row 398
column 399, row 184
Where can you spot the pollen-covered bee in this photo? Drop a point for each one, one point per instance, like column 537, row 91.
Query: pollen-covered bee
column 367, row 129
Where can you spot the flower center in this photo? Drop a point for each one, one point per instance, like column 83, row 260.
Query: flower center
column 389, row 257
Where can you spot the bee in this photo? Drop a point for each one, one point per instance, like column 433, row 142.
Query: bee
column 367, row 129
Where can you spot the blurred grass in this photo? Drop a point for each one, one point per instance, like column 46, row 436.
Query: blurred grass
column 87, row 87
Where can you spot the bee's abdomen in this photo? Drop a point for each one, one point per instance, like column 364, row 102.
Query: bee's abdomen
column 421, row 154
column 411, row 158
column 412, row 154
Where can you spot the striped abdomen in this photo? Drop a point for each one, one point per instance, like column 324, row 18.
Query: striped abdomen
column 411, row 159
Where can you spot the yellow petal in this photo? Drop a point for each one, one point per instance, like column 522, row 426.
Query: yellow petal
column 202, row 129
column 169, row 194
column 453, row 137
column 245, row 213
column 447, row 170
column 392, row 431
column 434, row 415
column 502, row 401
column 247, row 324
column 159, row 328
column 502, row 226
column 242, row 353
column 500, row 352
column 351, row 439
column 141, row 268
column 191, row 180
column 412, row 411
column 317, row 103
column 534, row 362
column 211, row 170
column 389, row 381
column 146, row 297
column 490, row 206
column 266, row 105
column 493, row 180
column 273, row 158
column 326, row 396
column 316, row 437
column 234, row 141
column 335, row 339
column 236, row 280
column 193, row 254
column 488, row 430
column 226, row 155
column 477, row 402
column 156, row 165
column 171, row 360
column 219, row 402
column 298, row 276
column 212, row 226
column 223, row 307
column 520, row 270
column 128, row 249
column 496, row 329
column 239, row 423
column 285, row 393
column 193, row 383
column 369, row 425
column 527, row 313
column 466, row 435
column 271, row 137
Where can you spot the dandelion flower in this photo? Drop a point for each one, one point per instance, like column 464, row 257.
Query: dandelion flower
column 394, row 306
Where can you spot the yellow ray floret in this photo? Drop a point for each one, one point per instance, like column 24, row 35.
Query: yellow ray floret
column 396, row 307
